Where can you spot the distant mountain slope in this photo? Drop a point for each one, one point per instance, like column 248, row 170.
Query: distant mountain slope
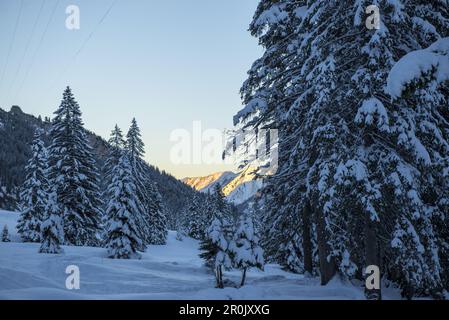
column 16, row 133
column 237, row 187
column 243, row 187
column 208, row 183
column 16, row 129
column 174, row 193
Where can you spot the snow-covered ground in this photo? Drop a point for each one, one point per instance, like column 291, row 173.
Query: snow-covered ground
column 173, row 271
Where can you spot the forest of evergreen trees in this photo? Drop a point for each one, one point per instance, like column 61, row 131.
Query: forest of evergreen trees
column 16, row 135
column 62, row 202
column 363, row 173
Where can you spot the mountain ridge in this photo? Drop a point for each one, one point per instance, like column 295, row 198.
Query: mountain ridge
column 237, row 187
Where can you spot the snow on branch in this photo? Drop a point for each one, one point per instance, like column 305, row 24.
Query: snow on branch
column 254, row 106
column 370, row 110
column 413, row 65
column 272, row 15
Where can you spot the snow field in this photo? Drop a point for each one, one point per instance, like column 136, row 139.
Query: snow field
column 173, row 271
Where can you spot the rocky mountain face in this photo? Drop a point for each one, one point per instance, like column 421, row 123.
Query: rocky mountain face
column 207, row 183
column 237, row 187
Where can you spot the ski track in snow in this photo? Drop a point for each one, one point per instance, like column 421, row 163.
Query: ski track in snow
column 172, row 271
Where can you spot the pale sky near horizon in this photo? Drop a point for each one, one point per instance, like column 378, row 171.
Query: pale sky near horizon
column 167, row 63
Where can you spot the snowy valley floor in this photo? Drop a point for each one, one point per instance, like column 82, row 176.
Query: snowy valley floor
column 173, row 271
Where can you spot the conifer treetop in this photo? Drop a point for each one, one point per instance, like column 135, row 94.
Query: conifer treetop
column 134, row 143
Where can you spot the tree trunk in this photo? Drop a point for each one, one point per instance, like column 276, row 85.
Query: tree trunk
column 219, row 276
column 243, row 277
column 372, row 255
column 327, row 267
column 306, row 241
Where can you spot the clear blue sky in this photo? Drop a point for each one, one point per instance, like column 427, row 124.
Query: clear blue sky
column 167, row 63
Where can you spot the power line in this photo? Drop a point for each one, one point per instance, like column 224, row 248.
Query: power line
column 96, row 28
column 19, row 68
column 33, row 59
column 12, row 42
column 83, row 45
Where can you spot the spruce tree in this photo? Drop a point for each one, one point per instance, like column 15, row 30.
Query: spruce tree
column 208, row 249
column 135, row 150
column 152, row 223
column 220, row 204
column 5, row 234
column 34, row 195
column 117, row 143
column 215, row 248
column 352, row 156
column 245, row 249
column 134, row 143
column 124, row 208
column 193, row 219
column 74, row 174
column 116, row 139
column 215, row 245
column 157, row 217
column 52, row 230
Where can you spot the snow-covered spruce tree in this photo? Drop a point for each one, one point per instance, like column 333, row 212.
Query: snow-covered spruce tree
column 219, row 203
column 157, row 217
column 52, row 230
column 124, row 208
column 152, row 223
column 215, row 245
column 286, row 234
column 414, row 169
column 276, row 24
column 117, row 143
column 74, row 175
column 215, row 248
column 193, row 219
column 5, row 234
column 134, row 143
column 424, row 85
column 116, row 139
column 207, row 211
column 244, row 248
column 208, row 249
column 135, row 151
column 34, row 195
column 352, row 157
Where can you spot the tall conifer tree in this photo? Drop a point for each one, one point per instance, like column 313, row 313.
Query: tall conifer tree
column 34, row 195
column 74, row 174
